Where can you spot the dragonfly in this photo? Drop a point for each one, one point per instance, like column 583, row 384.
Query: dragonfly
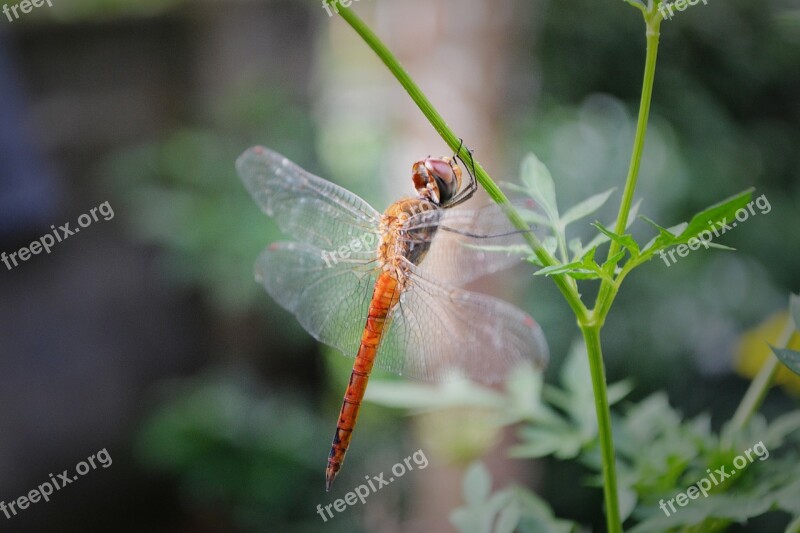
column 386, row 288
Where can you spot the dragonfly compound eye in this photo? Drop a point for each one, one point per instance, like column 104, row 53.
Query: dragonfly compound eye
column 437, row 179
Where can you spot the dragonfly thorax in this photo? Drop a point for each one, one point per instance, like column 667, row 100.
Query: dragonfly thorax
column 398, row 241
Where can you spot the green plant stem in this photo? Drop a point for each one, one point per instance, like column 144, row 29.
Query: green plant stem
column 610, row 287
column 608, row 290
column 591, row 335
column 760, row 386
column 563, row 282
column 794, row 527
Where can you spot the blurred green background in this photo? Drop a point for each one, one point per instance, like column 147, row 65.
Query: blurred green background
column 148, row 335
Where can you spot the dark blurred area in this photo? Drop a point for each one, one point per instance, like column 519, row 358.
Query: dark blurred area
column 146, row 335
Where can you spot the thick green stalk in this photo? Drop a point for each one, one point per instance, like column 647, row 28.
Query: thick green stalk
column 564, row 284
column 591, row 334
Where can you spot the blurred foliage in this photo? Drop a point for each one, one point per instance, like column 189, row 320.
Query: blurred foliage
column 243, row 454
column 660, row 452
column 753, row 351
column 506, row 511
column 182, row 195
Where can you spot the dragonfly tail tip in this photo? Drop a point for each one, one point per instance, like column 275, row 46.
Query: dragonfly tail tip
column 330, row 475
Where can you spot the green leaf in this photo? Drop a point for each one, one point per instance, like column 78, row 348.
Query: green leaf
column 790, row 358
column 586, row 268
column 713, row 215
column 720, row 247
column 524, row 392
column 666, row 237
column 477, row 484
column 616, row 258
column 562, row 442
column 600, row 238
column 576, row 247
column 712, row 220
column 626, row 241
column 618, row 391
column 508, row 518
column 532, row 217
column 627, row 502
column 537, row 516
column 574, row 269
column 449, row 394
column 794, row 308
column 548, row 243
column 540, row 186
column 782, row 427
column 585, row 208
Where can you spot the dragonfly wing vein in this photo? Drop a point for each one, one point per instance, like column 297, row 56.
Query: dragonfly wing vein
column 306, row 207
column 327, row 300
column 438, row 330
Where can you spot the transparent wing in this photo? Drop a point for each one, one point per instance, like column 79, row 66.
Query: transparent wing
column 437, row 331
column 330, row 299
column 468, row 244
column 306, row 207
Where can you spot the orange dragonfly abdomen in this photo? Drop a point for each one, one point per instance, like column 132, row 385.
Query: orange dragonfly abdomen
column 384, row 297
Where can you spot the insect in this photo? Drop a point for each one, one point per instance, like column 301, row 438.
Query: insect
column 384, row 287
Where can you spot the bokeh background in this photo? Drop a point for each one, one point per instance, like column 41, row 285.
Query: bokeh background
column 147, row 335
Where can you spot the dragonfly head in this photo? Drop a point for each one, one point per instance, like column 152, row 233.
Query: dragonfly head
column 437, row 179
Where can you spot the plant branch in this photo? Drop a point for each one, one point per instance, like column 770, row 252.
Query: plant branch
column 653, row 21
column 563, row 282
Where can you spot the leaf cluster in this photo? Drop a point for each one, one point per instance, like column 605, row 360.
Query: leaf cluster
column 581, row 261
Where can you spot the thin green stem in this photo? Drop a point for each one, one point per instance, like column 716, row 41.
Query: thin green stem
column 653, row 21
column 562, row 246
column 610, row 287
column 760, row 386
column 591, row 335
column 454, row 142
